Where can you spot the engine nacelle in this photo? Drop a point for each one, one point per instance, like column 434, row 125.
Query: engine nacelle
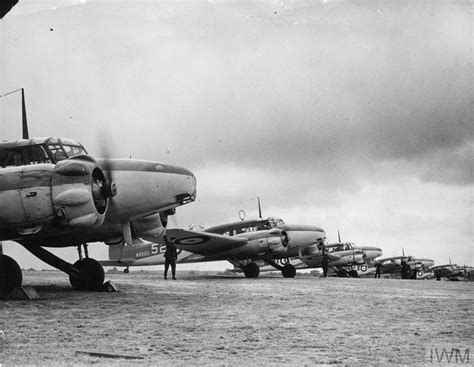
column 72, row 192
column 79, row 192
column 149, row 228
column 276, row 245
column 357, row 259
column 311, row 251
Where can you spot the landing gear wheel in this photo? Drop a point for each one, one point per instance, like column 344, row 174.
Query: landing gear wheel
column 353, row 274
column 91, row 275
column 288, row 271
column 251, row 270
column 10, row 275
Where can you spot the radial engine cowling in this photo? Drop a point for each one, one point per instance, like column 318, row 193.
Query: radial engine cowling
column 359, row 259
column 278, row 241
column 80, row 192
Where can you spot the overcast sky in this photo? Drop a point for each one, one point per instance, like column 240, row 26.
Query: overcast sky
column 353, row 116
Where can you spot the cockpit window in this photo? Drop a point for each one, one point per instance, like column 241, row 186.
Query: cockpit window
column 72, row 150
column 57, row 152
column 36, row 154
column 33, row 154
column 274, row 222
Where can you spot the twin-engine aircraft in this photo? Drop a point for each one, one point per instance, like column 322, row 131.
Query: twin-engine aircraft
column 342, row 258
column 414, row 267
column 450, row 271
column 54, row 194
column 243, row 244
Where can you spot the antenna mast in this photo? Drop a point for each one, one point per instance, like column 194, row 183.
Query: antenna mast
column 23, row 115
column 24, row 121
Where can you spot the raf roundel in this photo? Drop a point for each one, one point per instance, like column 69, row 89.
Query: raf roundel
column 193, row 240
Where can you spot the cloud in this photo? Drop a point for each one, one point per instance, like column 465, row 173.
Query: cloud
column 313, row 107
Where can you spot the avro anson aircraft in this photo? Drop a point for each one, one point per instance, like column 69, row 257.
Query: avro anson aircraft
column 54, row 194
column 341, row 256
column 449, row 271
column 416, row 267
column 242, row 243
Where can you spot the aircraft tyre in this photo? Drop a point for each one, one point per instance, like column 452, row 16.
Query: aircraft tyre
column 251, row 270
column 91, row 275
column 288, row 271
column 353, row 274
column 10, row 275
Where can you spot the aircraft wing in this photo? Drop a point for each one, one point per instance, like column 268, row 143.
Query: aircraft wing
column 204, row 243
column 333, row 256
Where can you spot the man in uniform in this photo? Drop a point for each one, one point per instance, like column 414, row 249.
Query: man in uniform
column 378, row 269
column 170, row 256
column 325, row 263
column 405, row 269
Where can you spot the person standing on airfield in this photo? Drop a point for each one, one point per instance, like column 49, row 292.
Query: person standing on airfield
column 378, row 269
column 405, row 269
column 170, row 256
column 325, row 263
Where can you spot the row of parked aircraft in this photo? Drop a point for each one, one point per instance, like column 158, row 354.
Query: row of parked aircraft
column 262, row 245
column 248, row 245
column 54, row 194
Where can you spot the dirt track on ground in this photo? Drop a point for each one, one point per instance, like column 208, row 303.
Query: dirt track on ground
column 200, row 319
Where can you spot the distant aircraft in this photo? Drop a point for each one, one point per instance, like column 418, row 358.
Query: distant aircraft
column 343, row 258
column 417, row 267
column 242, row 243
column 54, row 194
column 450, row 271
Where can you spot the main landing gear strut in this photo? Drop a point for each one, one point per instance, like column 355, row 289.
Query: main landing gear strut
column 85, row 275
column 342, row 273
column 287, row 270
column 252, row 270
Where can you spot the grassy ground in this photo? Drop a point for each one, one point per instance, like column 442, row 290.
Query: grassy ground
column 201, row 319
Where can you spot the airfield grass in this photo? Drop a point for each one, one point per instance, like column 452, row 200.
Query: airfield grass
column 230, row 320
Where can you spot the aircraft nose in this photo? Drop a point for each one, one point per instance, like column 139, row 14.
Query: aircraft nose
column 191, row 187
column 183, row 185
column 373, row 251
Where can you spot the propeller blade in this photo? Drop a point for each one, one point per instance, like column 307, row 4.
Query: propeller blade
column 339, row 236
column 110, row 186
column 259, row 208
